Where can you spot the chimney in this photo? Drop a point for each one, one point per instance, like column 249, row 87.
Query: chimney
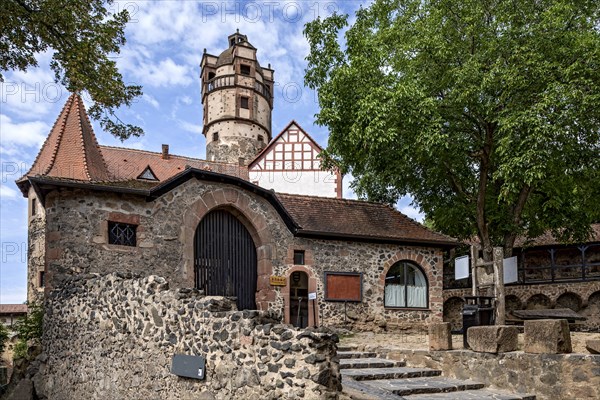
column 165, row 151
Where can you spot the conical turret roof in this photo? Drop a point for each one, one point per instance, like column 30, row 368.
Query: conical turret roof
column 71, row 150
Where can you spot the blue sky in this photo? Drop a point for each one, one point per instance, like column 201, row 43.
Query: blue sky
column 165, row 42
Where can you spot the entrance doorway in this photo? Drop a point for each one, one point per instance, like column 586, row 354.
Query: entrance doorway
column 225, row 259
column 299, row 299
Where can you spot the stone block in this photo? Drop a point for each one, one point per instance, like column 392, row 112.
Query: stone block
column 547, row 336
column 440, row 336
column 493, row 339
column 593, row 346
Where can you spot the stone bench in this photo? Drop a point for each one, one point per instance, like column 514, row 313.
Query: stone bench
column 493, row 338
column 547, row 336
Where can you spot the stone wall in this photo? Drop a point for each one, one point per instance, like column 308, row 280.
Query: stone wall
column 77, row 244
column 582, row 297
column 36, row 248
column 114, row 336
column 548, row 376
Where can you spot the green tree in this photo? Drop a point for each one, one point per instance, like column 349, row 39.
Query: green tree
column 3, row 337
column 485, row 111
column 85, row 36
column 29, row 327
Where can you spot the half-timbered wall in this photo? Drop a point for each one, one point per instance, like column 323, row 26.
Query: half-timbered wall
column 290, row 164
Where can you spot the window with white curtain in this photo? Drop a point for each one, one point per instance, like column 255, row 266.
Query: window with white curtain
column 405, row 286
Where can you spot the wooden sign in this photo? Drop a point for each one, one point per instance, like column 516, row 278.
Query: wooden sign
column 343, row 286
column 275, row 280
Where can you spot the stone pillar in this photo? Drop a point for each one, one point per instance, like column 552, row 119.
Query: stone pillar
column 440, row 336
column 547, row 336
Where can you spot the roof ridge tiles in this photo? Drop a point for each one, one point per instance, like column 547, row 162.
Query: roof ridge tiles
column 170, row 155
column 325, row 198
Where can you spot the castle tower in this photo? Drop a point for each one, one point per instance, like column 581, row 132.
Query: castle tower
column 237, row 99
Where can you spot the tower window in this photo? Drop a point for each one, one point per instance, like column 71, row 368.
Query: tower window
column 244, row 103
column 42, row 279
column 211, row 75
column 245, row 70
column 33, row 207
column 215, row 136
column 260, row 138
column 232, row 42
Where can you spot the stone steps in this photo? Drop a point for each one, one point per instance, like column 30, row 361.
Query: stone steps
column 369, row 362
column 435, row 384
column 366, row 377
column 363, row 374
column 342, row 355
column 483, row 394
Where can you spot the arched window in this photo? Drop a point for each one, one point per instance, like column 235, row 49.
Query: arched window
column 405, row 286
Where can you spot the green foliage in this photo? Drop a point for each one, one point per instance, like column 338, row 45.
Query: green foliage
column 20, row 349
column 28, row 328
column 85, row 37
column 3, row 337
column 485, row 111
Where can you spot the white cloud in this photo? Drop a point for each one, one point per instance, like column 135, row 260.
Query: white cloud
column 24, row 134
column 190, row 127
column 163, row 73
column 187, row 100
column 347, row 191
column 413, row 213
column 151, row 100
column 8, row 192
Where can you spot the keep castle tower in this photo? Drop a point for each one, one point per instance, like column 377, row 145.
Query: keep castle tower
column 237, row 100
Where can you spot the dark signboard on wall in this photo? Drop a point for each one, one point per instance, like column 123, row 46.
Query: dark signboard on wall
column 343, row 286
column 188, row 366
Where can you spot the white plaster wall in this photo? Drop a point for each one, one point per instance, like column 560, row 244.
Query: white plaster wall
column 311, row 183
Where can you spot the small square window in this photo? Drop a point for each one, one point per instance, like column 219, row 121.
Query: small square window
column 298, row 257
column 260, row 138
column 245, row 70
column 33, row 207
column 42, row 279
column 244, row 103
column 122, row 234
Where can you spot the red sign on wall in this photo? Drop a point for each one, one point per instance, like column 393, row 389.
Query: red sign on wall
column 343, row 286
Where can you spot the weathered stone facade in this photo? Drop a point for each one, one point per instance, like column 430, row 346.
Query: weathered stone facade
column 582, row 297
column 548, row 376
column 114, row 336
column 36, row 248
column 77, row 244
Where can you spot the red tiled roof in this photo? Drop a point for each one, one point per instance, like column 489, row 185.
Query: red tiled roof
column 125, row 164
column 359, row 219
column 71, row 150
column 547, row 239
column 13, row 308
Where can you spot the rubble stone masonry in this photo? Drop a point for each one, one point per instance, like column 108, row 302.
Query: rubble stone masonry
column 113, row 337
column 77, row 243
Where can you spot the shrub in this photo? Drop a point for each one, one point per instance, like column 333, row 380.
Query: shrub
column 27, row 328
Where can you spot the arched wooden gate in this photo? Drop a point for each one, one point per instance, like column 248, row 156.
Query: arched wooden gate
column 225, row 259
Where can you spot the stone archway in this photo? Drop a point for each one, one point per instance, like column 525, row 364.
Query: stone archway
column 453, row 312
column 225, row 258
column 313, row 312
column 538, row 302
column 237, row 203
column 569, row 300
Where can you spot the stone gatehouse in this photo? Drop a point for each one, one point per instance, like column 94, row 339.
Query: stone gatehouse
column 224, row 225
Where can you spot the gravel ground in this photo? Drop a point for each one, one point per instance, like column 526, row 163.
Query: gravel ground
column 415, row 341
